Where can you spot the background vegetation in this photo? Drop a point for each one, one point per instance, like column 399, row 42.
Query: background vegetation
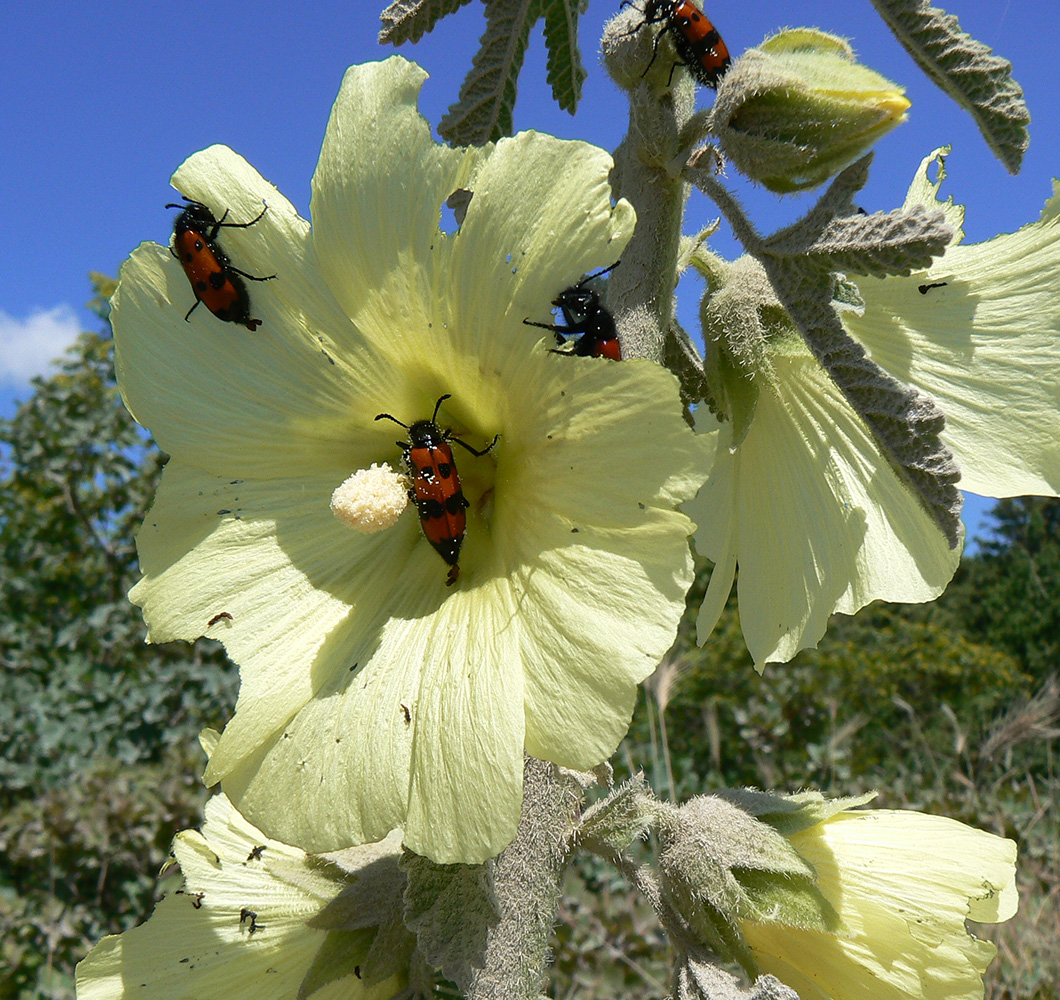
column 951, row 708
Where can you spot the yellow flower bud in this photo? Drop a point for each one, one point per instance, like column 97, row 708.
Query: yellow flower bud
column 798, row 109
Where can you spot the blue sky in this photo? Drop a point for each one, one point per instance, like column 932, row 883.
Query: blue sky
column 99, row 103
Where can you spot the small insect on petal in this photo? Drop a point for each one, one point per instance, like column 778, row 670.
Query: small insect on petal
column 371, row 500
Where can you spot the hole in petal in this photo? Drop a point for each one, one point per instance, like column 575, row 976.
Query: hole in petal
column 454, row 210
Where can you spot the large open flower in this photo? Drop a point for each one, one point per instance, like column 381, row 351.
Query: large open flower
column 256, row 918
column 903, row 884
column 374, row 696
column 800, row 496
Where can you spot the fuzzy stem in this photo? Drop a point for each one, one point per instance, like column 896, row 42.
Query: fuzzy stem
column 526, row 878
column 648, row 174
column 742, row 228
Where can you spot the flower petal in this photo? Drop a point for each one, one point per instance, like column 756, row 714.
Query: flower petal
column 903, row 884
column 263, row 566
column 540, row 218
column 818, row 519
column 374, row 226
column 600, row 573
column 914, row 861
column 351, row 765
column 979, row 331
column 274, row 401
column 235, row 930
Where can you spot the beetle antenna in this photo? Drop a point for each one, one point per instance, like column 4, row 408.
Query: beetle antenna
column 589, row 277
column 387, row 416
column 437, row 406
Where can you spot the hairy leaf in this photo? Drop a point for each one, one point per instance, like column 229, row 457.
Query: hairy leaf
column 410, row 20
column 836, row 237
column 565, row 70
column 696, row 978
column 965, row 69
column 883, row 243
column 483, row 112
column 450, row 909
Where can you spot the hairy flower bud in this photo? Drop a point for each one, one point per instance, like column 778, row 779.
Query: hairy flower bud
column 798, row 109
column 720, row 867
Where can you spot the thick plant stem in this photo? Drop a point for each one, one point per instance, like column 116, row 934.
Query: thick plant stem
column 648, row 174
column 526, row 877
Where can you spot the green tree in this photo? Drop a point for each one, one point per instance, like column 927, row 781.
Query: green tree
column 1007, row 593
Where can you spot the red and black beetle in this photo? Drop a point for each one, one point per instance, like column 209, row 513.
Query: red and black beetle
column 584, row 314
column 436, row 490
column 699, row 46
column 213, row 278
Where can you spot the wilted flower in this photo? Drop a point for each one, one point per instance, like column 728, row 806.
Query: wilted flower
column 374, row 696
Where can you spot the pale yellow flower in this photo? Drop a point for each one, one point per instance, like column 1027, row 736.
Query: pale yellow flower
column 374, row 696
column 247, row 923
column 805, row 503
column 903, row 884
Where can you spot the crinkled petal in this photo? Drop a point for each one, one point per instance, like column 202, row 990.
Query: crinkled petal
column 979, row 331
column 529, row 234
column 600, row 573
column 717, row 534
column 274, row 401
column 910, row 861
column 817, row 518
column 199, row 941
column 275, row 573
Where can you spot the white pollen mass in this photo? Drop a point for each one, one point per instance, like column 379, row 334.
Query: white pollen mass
column 371, row 499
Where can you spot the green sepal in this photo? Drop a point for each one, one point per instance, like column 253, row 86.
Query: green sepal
column 789, row 814
column 613, row 823
column 793, row 900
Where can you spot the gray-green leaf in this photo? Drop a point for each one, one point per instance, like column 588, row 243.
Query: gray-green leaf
column 965, row 69
column 450, row 909
column 565, row 70
column 696, row 978
column 483, row 112
column 410, row 20
column 880, row 244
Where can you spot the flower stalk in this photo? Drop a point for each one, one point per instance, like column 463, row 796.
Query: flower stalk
column 647, row 173
column 526, row 878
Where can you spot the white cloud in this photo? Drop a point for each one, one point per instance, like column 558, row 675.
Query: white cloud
column 28, row 346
